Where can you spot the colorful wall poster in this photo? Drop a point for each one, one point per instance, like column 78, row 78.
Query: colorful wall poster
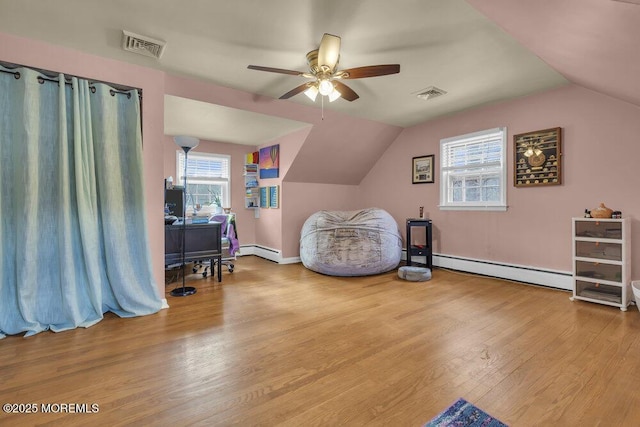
column 270, row 161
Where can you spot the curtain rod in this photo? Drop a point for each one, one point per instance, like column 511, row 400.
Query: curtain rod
column 120, row 89
column 16, row 74
column 112, row 91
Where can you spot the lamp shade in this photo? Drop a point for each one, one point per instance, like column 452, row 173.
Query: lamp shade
column 187, row 142
column 325, row 87
column 312, row 92
column 334, row 95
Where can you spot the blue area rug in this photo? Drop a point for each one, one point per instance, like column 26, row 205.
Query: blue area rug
column 463, row 413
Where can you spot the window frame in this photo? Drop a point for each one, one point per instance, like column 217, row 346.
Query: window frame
column 447, row 171
column 224, row 182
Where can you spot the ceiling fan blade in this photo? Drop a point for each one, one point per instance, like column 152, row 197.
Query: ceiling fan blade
column 329, row 52
column 296, row 90
column 345, row 91
column 275, row 70
column 369, row 71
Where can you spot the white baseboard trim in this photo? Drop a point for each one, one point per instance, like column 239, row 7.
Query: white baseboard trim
column 519, row 273
column 290, row 260
column 271, row 254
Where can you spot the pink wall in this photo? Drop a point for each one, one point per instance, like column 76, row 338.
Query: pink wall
column 244, row 217
column 600, row 151
column 41, row 55
column 593, row 43
column 280, row 228
column 269, row 227
column 341, row 150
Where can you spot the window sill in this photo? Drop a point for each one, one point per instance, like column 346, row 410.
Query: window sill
column 473, row 208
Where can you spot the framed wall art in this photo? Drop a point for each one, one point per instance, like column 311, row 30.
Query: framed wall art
column 264, row 197
column 422, row 169
column 537, row 158
column 269, row 161
column 274, row 196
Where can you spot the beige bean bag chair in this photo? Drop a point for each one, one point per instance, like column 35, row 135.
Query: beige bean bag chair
column 350, row 243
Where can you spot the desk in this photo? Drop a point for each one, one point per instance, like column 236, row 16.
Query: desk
column 202, row 242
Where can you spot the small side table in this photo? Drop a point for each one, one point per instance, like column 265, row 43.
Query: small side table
column 419, row 250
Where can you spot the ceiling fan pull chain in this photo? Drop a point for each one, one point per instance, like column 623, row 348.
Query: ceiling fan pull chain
column 322, row 106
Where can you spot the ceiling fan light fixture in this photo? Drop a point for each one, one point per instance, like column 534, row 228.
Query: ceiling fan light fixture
column 325, row 75
column 311, row 92
column 334, row 95
column 325, row 87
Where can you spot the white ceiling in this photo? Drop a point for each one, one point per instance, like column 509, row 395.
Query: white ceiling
column 443, row 43
column 203, row 120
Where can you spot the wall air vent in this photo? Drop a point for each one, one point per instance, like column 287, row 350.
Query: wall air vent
column 142, row 45
column 430, row 92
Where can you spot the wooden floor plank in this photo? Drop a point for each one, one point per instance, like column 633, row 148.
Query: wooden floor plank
column 281, row 345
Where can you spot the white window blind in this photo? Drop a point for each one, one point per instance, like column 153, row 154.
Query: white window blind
column 203, row 166
column 207, row 175
column 473, row 171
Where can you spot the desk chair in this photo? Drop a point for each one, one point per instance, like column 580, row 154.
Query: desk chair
column 230, row 244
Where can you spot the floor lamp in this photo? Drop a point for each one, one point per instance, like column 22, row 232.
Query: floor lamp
column 186, row 143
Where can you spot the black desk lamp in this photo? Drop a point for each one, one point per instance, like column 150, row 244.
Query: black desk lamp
column 186, row 143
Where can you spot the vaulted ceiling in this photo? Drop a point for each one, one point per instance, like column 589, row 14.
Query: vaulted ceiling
column 592, row 43
column 479, row 51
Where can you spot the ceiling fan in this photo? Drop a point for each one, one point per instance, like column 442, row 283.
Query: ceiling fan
column 325, row 75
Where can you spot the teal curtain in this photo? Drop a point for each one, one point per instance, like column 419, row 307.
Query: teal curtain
column 74, row 241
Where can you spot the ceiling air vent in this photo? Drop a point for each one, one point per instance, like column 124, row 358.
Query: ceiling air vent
column 430, row 92
column 143, row 45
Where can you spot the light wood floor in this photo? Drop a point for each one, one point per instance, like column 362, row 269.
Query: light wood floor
column 281, row 345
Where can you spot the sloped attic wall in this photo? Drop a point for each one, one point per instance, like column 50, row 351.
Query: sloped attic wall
column 340, row 149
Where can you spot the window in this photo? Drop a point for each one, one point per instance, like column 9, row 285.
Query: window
column 473, row 171
column 207, row 176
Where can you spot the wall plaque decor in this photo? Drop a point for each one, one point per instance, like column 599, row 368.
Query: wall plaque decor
column 264, row 197
column 422, row 169
column 537, row 158
column 274, row 196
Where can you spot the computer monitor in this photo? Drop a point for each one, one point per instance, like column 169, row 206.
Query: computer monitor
column 174, row 202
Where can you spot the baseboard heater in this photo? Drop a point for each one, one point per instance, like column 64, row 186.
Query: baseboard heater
column 267, row 253
column 519, row 273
